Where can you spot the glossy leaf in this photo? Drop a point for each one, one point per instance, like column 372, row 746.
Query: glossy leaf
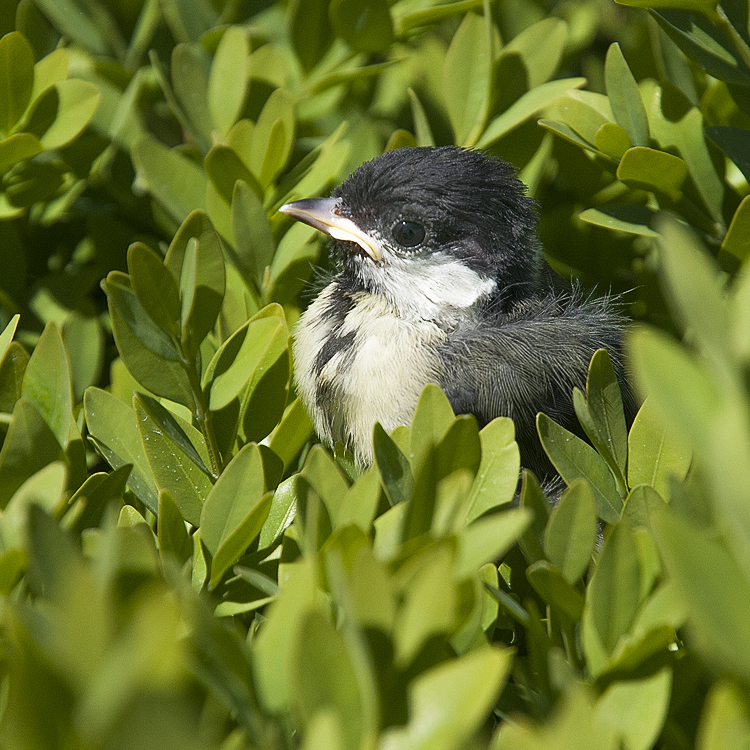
column 29, row 446
column 497, row 477
column 272, row 137
column 450, row 701
column 612, row 598
column 252, row 233
column 737, row 239
column 176, row 454
column 601, row 413
column 154, row 287
column 250, row 350
column 655, row 454
column 172, row 534
column 234, row 511
column 628, row 217
column 17, row 64
column 466, row 80
column 571, row 532
column 649, row 169
column 555, row 589
column 488, row 539
column 176, row 182
column 365, row 25
column 625, row 98
column 714, row 590
column 112, row 423
column 227, row 81
column 150, row 354
column 575, row 459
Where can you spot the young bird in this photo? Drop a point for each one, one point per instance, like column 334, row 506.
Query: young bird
column 441, row 280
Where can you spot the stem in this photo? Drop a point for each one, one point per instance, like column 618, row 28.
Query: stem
column 204, row 417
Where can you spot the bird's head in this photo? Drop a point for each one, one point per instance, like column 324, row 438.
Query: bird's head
column 430, row 227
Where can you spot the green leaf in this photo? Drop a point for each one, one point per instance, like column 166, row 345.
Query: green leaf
column 17, row 148
column 251, row 230
column 360, row 504
column 488, row 539
column 636, row 709
column 47, row 385
column 29, row 446
column 432, row 418
column 497, row 477
column 112, row 423
column 422, row 129
column 655, row 454
column 150, row 354
column 601, row 414
column 275, row 649
column 700, row 39
column 246, row 354
column 175, row 181
column 235, row 511
column 677, row 126
column 612, row 140
column 737, row 239
column 690, row 274
column 292, row 433
column 272, row 137
column 309, row 31
column 649, row 169
column 466, row 80
column 191, row 89
column 172, row 534
column 62, row 112
column 395, row 471
column 700, row 6
column 448, row 703
column 575, row 459
column 734, row 142
column 84, row 340
column 155, row 288
column 540, row 48
column 626, row 217
column 555, row 589
column 641, row 504
column 74, row 19
column 324, row 477
column 365, row 25
column 176, row 454
column 625, row 97
column 527, row 105
column 17, row 64
column 571, row 532
column 228, row 79
column 428, row 601
column 45, row 488
column 328, row 677
column 725, row 716
column 568, row 134
column 582, row 114
column 714, row 588
column 188, row 20
column 612, row 598
column 7, row 335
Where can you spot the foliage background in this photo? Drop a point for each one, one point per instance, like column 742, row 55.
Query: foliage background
column 181, row 566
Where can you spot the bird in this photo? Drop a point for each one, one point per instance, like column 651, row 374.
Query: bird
column 440, row 278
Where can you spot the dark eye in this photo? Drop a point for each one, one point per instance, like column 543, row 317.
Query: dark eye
column 408, row 233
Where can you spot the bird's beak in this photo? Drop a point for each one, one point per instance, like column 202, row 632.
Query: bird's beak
column 323, row 214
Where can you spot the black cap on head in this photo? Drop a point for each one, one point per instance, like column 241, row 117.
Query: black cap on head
column 472, row 206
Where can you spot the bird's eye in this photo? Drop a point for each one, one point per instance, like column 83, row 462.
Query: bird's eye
column 408, row 233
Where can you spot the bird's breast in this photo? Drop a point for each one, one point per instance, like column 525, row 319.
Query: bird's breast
column 357, row 362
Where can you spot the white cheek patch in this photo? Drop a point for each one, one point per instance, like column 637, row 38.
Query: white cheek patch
column 435, row 287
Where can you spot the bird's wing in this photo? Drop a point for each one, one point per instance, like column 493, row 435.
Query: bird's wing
column 522, row 365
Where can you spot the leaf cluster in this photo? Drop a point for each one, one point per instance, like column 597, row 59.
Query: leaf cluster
column 181, row 565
